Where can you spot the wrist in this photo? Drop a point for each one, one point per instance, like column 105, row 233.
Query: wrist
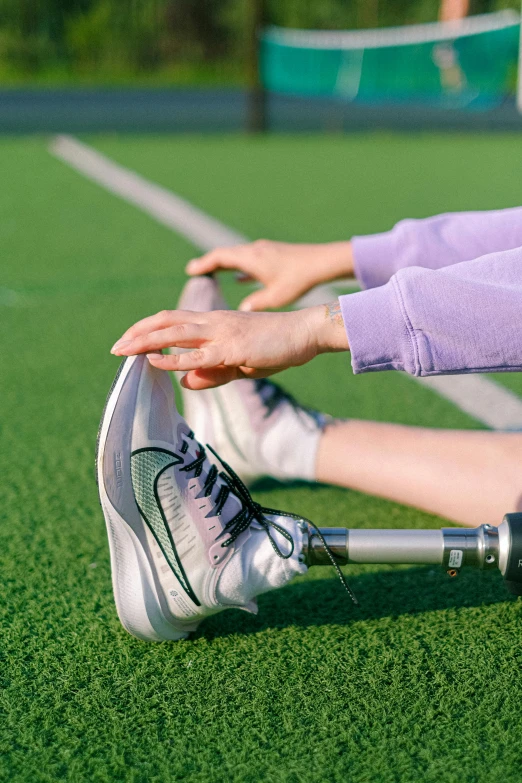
column 326, row 327
column 337, row 261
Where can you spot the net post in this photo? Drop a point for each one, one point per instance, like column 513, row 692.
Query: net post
column 256, row 99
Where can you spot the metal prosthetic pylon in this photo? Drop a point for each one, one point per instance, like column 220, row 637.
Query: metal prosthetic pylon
column 485, row 547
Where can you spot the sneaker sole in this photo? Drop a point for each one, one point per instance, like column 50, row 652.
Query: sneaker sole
column 136, row 593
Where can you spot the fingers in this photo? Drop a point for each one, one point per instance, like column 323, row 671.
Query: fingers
column 265, row 299
column 181, row 335
column 210, row 378
column 221, row 258
column 192, row 360
column 251, row 372
column 218, row 376
column 154, row 323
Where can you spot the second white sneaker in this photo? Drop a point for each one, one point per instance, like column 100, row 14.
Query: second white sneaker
column 253, row 424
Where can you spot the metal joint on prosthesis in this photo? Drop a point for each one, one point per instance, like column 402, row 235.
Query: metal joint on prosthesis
column 485, row 547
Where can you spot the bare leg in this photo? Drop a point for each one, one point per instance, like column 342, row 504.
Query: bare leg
column 472, row 477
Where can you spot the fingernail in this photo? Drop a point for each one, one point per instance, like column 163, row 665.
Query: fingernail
column 192, row 266
column 155, row 356
column 120, row 344
column 245, row 307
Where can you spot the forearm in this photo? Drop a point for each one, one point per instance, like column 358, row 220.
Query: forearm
column 460, row 319
column 334, row 260
column 435, row 242
column 463, row 318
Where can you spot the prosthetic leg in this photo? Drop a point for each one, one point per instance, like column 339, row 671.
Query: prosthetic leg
column 485, row 547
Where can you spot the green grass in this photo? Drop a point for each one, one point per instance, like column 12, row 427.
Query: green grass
column 420, row 684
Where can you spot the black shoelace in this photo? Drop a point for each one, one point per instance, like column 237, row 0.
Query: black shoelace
column 251, row 511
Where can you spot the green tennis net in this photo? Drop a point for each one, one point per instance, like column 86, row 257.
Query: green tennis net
column 472, row 62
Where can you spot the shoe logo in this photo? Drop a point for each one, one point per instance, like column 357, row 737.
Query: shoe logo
column 118, row 469
column 147, row 467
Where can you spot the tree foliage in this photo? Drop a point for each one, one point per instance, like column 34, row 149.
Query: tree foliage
column 138, row 36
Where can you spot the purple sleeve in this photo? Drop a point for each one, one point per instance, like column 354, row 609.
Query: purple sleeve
column 435, row 242
column 460, row 319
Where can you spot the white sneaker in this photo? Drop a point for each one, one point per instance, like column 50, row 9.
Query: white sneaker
column 253, row 424
column 186, row 540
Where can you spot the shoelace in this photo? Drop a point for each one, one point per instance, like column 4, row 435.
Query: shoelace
column 251, row 510
column 277, row 395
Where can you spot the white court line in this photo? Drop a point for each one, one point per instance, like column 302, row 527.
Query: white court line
column 482, row 398
column 172, row 211
column 164, row 206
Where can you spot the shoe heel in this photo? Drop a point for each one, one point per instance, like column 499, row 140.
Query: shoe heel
column 135, row 594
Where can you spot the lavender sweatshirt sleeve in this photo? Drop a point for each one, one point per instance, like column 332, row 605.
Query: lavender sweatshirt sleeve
column 435, row 242
column 426, row 321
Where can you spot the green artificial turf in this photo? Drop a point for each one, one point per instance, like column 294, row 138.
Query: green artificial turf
column 420, row 684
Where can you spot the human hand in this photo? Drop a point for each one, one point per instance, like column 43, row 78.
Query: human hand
column 224, row 345
column 287, row 271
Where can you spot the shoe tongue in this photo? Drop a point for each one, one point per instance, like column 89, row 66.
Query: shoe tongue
column 264, row 389
column 273, row 396
column 233, row 505
column 194, row 448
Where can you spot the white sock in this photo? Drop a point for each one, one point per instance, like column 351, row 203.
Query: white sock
column 256, row 568
column 289, row 449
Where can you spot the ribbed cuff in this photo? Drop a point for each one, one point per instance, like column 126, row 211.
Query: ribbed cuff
column 374, row 258
column 377, row 330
